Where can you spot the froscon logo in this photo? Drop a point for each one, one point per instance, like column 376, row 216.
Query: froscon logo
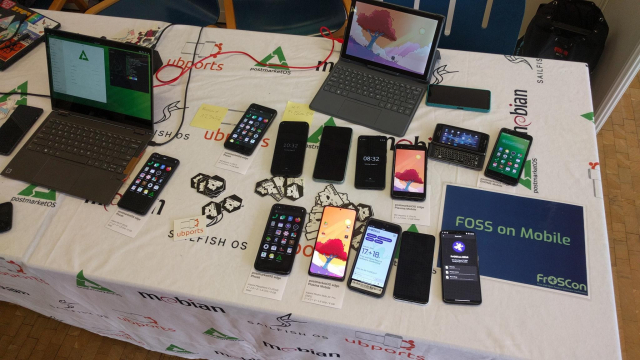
column 458, row 246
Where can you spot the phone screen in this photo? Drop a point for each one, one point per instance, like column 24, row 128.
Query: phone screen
column 18, row 124
column 331, row 163
column 6, row 216
column 509, row 155
column 409, row 172
column 459, row 262
column 279, row 241
column 147, row 185
column 459, row 97
column 247, row 134
column 371, row 162
column 331, row 251
column 374, row 259
column 291, row 145
column 415, row 261
column 461, row 138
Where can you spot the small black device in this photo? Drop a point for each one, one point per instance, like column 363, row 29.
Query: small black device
column 248, row 133
column 291, row 145
column 279, row 242
column 508, row 156
column 409, row 172
column 459, row 267
column 453, row 97
column 371, row 162
column 333, row 154
column 459, row 146
column 415, row 261
column 146, row 187
column 372, row 266
column 6, row 216
column 18, row 124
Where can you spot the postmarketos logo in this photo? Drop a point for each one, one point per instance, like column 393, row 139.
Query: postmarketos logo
column 83, row 56
column 278, row 54
column 176, row 300
column 178, row 349
column 220, row 335
column 84, row 283
column 529, row 177
column 45, row 198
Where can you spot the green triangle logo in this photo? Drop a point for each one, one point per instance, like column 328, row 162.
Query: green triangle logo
column 83, row 56
column 178, row 349
column 277, row 53
column 412, row 228
column 525, row 180
column 218, row 335
column 20, row 89
column 588, row 116
column 315, row 137
column 30, row 191
column 83, row 282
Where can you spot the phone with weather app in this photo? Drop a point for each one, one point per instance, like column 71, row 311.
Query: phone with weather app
column 331, row 251
column 147, row 185
column 280, row 239
column 248, row 133
column 371, row 268
column 508, row 156
column 459, row 268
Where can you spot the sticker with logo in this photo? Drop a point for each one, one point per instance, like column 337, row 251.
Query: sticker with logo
column 184, row 302
column 7, row 4
column 276, row 57
column 12, row 269
column 35, row 195
column 144, row 37
column 75, row 308
column 220, row 335
column 178, row 349
column 83, row 283
column 141, row 321
column 280, row 187
column 12, row 99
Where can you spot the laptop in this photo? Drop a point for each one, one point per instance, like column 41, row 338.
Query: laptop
column 102, row 118
column 384, row 67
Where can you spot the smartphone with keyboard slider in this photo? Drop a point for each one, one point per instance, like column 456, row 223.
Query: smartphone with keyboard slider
column 458, row 146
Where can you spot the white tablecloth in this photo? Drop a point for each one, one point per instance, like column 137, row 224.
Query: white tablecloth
column 61, row 261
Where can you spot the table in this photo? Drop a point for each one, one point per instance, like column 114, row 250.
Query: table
column 186, row 298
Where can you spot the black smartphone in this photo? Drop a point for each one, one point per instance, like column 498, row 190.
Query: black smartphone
column 508, row 156
column 16, row 126
column 331, row 252
column 459, row 146
column 146, row 187
column 371, row 162
column 459, row 267
column 415, row 261
column 6, row 216
column 249, row 130
column 371, row 268
column 452, row 97
column 409, row 172
column 333, row 154
column 280, row 239
column 291, row 145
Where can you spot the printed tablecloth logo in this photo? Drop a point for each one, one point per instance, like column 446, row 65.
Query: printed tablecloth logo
column 12, row 269
column 141, row 321
column 75, row 308
column 281, row 60
column 520, row 106
column 14, row 290
column 117, row 333
column 285, row 321
column 315, row 137
column 45, row 197
column 518, row 60
column 299, row 349
column 529, row 177
column 183, row 302
column 178, row 349
column 206, row 49
column 84, row 283
column 220, row 335
column 439, row 74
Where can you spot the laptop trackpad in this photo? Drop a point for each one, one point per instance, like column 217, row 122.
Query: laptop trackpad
column 58, row 174
column 355, row 112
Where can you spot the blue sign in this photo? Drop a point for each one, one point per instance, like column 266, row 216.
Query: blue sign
column 528, row 241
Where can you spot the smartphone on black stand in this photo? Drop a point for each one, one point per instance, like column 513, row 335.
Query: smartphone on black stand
column 415, row 261
column 333, row 154
column 459, row 267
column 291, row 145
column 409, row 172
column 508, row 156
column 371, row 162
column 16, row 126
column 280, row 239
column 331, row 251
column 147, row 185
column 248, row 133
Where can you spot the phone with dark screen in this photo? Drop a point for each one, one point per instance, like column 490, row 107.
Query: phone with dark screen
column 250, row 129
column 459, row 267
column 279, row 242
column 333, row 154
column 16, row 127
column 453, row 97
column 291, row 145
column 415, row 261
column 6, row 216
column 371, row 162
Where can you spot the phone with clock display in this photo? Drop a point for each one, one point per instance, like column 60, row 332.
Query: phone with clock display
column 409, row 172
column 250, row 129
column 371, row 268
column 291, row 144
column 371, row 162
column 459, row 268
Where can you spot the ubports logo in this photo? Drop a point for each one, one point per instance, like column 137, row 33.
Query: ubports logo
column 519, row 105
column 560, row 282
column 199, row 66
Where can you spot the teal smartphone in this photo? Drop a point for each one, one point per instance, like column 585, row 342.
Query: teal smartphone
column 453, row 97
column 333, row 154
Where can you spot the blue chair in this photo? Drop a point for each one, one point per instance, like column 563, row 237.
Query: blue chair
column 500, row 35
column 185, row 12
column 297, row 17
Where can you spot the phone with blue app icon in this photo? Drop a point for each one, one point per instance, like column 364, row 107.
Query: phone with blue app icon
column 459, row 268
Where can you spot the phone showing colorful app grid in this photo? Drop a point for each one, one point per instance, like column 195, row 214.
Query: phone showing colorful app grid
column 279, row 242
column 250, row 129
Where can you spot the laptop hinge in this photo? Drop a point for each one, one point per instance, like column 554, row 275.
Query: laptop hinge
column 139, row 132
column 383, row 70
column 63, row 113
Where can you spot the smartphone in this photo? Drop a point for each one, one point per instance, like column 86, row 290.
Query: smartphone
column 371, row 162
column 458, row 146
column 248, row 133
column 371, row 268
column 409, row 172
column 6, row 216
column 460, row 272
column 453, row 97
column 508, row 156
column 331, row 163
column 291, row 144
column 280, row 239
column 415, row 264
column 16, row 127
column 147, row 185
column 331, row 251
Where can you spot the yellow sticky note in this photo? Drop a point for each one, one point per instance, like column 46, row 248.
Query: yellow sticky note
column 298, row 112
column 209, row 117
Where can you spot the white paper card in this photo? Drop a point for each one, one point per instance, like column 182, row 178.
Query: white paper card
column 490, row 184
column 270, row 286
column 597, row 189
column 126, row 223
column 412, row 212
column 189, row 227
column 594, row 174
column 234, row 162
column 324, row 292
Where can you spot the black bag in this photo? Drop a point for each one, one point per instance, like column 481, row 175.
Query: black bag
column 572, row 30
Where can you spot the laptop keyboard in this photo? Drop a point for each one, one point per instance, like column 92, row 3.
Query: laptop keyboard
column 85, row 145
column 455, row 156
column 374, row 90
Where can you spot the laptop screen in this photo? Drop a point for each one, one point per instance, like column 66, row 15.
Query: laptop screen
column 100, row 78
column 398, row 39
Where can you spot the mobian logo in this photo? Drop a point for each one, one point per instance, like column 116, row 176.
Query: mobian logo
column 220, row 335
column 519, row 105
column 84, row 283
column 298, row 349
column 14, row 270
column 388, row 350
column 31, row 192
column 178, row 349
column 279, row 55
column 141, row 321
column 315, row 137
column 324, row 67
column 83, row 56
column 529, row 178
column 176, row 300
